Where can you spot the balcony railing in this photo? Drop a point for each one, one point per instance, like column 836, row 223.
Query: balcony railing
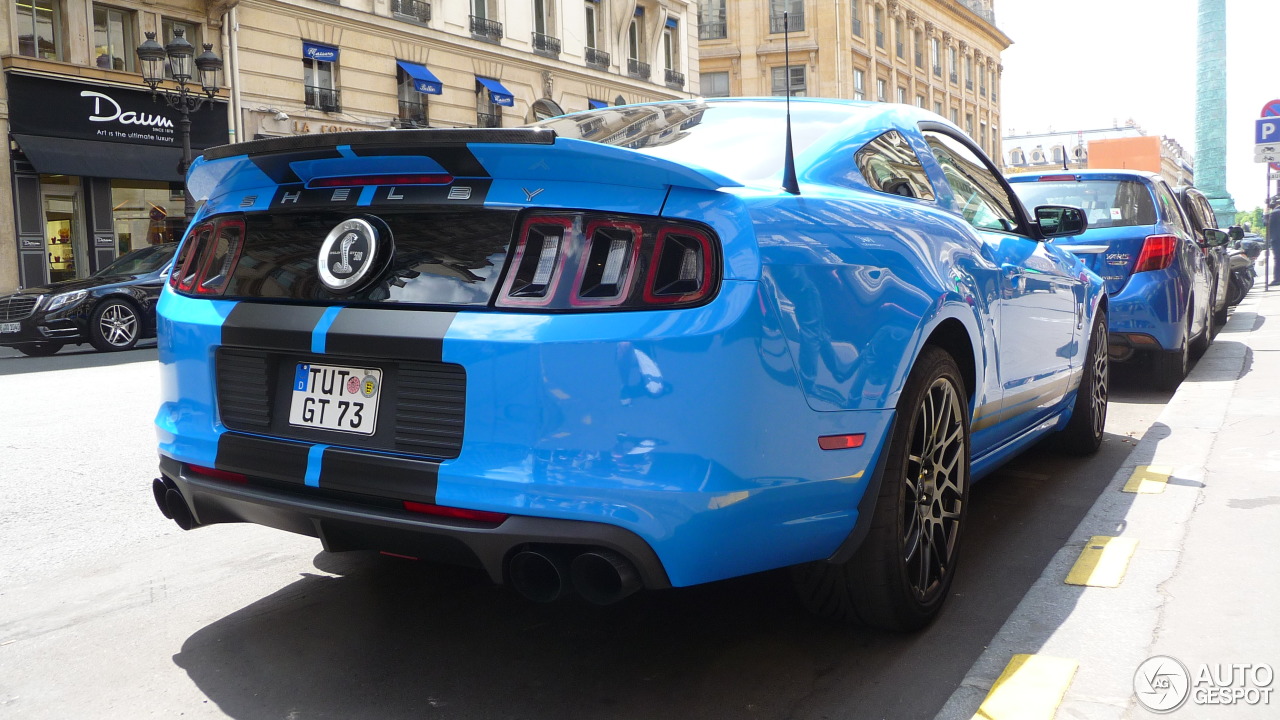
column 597, row 58
column 637, row 69
column 674, row 79
column 419, row 10
column 413, row 114
column 487, row 120
column 713, row 30
column 326, row 99
column 486, row 29
column 795, row 22
column 546, row 45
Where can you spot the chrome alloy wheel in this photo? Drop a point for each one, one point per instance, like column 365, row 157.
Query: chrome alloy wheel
column 934, row 492
column 118, row 324
column 1101, row 382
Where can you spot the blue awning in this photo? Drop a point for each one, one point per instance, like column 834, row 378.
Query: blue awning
column 596, row 104
column 424, row 81
column 499, row 94
column 316, row 51
column 671, row 22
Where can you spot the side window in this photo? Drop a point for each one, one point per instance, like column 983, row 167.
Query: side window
column 1170, row 210
column 890, row 165
column 980, row 197
column 1206, row 212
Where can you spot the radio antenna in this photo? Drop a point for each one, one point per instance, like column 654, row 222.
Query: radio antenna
column 789, row 182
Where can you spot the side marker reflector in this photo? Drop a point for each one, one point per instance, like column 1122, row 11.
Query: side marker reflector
column 841, row 442
column 453, row 512
column 219, row 474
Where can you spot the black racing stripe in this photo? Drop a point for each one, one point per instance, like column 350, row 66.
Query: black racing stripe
column 279, row 167
column 458, row 161
column 271, row 327
column 379, row 475
column 262, row 457
column 293, row 145
column 401, row 334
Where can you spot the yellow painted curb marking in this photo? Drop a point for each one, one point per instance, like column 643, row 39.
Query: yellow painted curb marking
column 1148, row 479
column 1102, row 562
column 1030, row 688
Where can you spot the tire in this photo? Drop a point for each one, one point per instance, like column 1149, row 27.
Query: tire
column 39, row 349
column 1083, row 433
column 897, row 580
column 1220, row 318
column 114, row 325
column 1201, row 344
column 1170, row 367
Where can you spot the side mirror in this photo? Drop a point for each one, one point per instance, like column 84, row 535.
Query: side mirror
column 1060, row 221
column 1235, row 232
column 1213, row 237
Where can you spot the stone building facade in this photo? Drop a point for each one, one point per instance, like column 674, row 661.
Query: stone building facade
column 942, row 55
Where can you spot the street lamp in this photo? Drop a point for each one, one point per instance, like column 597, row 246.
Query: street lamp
column 178, row 54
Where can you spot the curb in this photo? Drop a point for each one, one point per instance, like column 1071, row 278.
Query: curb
column 1110, row 631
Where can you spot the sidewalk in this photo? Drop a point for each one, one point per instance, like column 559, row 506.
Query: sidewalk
column 1194, row 567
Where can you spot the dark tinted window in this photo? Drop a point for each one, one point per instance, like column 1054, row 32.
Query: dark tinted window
column 889, row 165
column 140, row 262
column 979, row 196
column 1107, row 203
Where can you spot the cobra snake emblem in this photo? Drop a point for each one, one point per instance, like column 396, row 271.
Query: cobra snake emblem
column 345, row 266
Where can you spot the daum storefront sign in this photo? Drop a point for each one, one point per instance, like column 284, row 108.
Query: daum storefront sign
column 53, row 108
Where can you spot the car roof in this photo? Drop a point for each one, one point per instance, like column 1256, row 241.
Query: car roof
column 1089, row 174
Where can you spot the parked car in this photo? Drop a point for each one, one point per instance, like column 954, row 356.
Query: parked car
column 1160, row 287
column 1213, row 243
column 111, row 309
column 614, row 351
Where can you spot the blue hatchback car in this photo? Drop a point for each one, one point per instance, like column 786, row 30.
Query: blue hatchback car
column 635, row 347
column 1141, row 244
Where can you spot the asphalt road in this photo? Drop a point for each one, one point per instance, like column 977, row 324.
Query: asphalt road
column 107, row 610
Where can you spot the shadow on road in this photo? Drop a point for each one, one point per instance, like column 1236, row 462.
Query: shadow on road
column 12, row 363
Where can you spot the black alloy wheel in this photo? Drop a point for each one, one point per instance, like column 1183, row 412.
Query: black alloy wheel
column 115, row 325
column 900, row 576
column 1083, row 433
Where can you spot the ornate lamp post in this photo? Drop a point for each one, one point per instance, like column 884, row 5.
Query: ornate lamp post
column 179, row 54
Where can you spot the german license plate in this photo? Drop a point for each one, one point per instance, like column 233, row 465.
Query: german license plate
column 336, row 397
column 9, row 327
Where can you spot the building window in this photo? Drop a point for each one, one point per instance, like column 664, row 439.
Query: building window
column 671, row 56
column 794, row 10
column 968, row 124
column 668, row 50
column 633, row 41
column 955, row 63
column 882, row 90
column 636, row 67
column 545, row 42
column 711, row 20
column 899, row 42
column 902, row 96
column 918, row 36
column 413, row 10
column 968, row 72
column 319, row 76
column 879, row 20
column 935, row 56
column 114, row 40
column 413, row 104
column 955, row 116
column 40, row 29
column 856, row 8
column 1016, row 157
column 920, row 101
column 191, row 32
column 779, row 78
column 937, row 107
column 483, row 25
column 859, row 85
column 1056, row 152
column 715, row 84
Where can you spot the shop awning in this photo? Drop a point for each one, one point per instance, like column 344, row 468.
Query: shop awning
column 596, row 104
column 90, row 158
column 424, row 81
column 500, row 95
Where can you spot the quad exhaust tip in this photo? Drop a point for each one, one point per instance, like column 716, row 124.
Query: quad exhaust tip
column 598, row 575
column 172, row 505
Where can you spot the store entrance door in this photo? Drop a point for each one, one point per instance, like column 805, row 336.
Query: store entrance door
column 67, row 246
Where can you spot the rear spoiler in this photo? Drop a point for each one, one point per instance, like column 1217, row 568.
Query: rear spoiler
column 446, row 137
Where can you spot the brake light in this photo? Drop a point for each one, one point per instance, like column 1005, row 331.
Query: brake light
column 841, row 442
column 209, row 257
column 365, row 180
column 1055, row 178
column 453, row 512
column 580, row 261
column 187, row 266
column 1157, row 253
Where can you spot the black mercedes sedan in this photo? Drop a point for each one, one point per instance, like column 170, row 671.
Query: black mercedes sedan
column 112, row 309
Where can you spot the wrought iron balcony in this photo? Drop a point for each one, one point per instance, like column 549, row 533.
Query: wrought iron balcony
column 419, row 10
column 546, row 45
column 713, row 30
column 674, row 79
column 326, row 99
column 795, row 22
column 597, row 58
column 413, row 114
column 486, row 29
column 637, row 69
column 486, row 120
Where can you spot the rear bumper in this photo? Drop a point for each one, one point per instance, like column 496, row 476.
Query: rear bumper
column 1151, row 307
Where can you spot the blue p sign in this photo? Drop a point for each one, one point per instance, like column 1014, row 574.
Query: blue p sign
column 1266, row 130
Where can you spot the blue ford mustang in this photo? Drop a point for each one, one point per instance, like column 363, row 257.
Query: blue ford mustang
column 610, row 351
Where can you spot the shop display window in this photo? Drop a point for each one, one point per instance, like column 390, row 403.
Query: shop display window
column 145, row 213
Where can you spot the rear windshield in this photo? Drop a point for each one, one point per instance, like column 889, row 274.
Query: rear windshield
column 742, row 140
column 1107, row 203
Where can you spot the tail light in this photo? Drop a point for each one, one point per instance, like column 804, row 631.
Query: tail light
column 1157, row 253
column 208, row 257
column 584, row 261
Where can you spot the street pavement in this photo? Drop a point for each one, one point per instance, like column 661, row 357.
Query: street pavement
column 1200, row 587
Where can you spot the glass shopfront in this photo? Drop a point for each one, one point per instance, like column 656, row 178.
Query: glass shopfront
column 64, row 227
column 145, row 213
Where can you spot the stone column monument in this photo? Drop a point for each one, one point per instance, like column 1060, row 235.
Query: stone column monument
column 1211, row 109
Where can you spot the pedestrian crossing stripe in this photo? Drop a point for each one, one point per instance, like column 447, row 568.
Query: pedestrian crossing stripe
column 1148, row 479
column 1102, row 562
column 1030, row 688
